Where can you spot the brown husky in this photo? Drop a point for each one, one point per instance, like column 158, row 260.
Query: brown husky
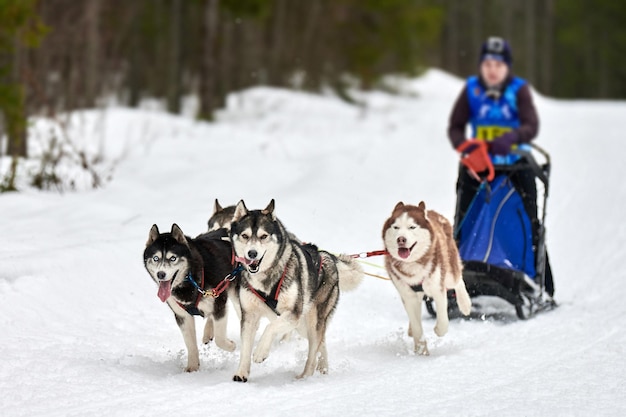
column 423, row 259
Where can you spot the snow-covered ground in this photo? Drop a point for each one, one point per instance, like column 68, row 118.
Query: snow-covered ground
column 82, row 332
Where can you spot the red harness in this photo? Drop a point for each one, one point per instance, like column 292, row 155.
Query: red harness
column 271, row 299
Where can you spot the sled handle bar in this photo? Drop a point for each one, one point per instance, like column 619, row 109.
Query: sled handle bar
column 541, row 173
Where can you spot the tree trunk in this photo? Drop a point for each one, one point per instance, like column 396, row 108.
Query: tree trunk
column 451, row 41
column 208, row 73
column 174, row 92
column 276, row 48
column 531, row 27
column 547, row 47
column 92, row 58
column 15, row 115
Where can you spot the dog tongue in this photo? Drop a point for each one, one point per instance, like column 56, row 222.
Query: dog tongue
column 243, row 260
column 165, row 290
column 404, row 252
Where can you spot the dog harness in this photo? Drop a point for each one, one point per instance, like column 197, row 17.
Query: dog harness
column 215, row 292
column 271, row 299
column 193, row 308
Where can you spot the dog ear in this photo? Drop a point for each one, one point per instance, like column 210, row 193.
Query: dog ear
column 399, row 206
column 240, row 211
column 178, row 234
column 422, row 206
column 269, row 209
column 217, row 207
column 154, row 235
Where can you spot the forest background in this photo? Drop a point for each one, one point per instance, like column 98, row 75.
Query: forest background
column 61, row 55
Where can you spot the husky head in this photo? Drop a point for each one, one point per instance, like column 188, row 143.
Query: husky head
column 407, row 233
column 166, row 258
column 222, row 217
column 257, row 237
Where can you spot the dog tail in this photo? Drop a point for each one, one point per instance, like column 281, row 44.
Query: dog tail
column 350, row 272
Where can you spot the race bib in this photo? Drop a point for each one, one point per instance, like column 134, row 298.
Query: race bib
column 489, row 133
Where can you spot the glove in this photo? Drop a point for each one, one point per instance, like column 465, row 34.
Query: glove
column 475, row 158
column 502, row 144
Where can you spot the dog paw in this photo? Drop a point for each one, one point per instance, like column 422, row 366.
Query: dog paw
column 322, row 368
column 192, row 368
column 304, row 374
column 441, row 330
column 259, row 356
column 208, row 333
column 240, row 378
column 421, row 348
column 226, row 344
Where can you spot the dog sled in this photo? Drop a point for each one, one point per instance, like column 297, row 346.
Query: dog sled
column 503, row 253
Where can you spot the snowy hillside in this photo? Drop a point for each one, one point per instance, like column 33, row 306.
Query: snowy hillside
column 84, row 334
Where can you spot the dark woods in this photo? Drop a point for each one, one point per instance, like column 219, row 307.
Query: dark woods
column 58, row 55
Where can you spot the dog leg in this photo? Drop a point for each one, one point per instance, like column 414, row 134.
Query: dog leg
column 249, row 326
column 233, row 297
column 277, row 327
column 220, row 334
column 462, row 297
column 207, row 336
column 315, row 336
column 188, row 329
column 322, row 362
column 413, row 306
column 441, row 307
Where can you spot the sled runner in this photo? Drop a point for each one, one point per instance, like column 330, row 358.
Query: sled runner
column 501, row 255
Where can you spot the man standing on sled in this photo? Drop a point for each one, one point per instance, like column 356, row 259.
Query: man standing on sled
column 500, row 110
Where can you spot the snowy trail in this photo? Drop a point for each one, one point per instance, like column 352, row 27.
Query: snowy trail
column 83, row 333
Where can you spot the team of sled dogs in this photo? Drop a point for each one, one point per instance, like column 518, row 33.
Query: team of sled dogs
column 249, row 257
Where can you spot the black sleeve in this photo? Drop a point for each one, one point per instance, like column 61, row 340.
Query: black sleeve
column 459, row 118
column 529, row 121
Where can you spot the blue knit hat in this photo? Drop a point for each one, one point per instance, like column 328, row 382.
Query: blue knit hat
column 496, row 48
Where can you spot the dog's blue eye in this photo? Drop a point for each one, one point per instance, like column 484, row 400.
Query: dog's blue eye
column 172, row 259
column 155, row 258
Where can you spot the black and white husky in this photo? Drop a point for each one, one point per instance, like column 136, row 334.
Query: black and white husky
column 293, row 284
column 184, row 269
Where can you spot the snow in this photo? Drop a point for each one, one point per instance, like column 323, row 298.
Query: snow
column 84, row 334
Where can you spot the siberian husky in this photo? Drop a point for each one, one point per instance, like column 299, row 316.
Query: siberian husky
column 221, row 217
column 294, row 285
column 423, row 259
column 183, row 268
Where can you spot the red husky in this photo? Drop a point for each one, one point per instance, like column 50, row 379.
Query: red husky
column 423, row 259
